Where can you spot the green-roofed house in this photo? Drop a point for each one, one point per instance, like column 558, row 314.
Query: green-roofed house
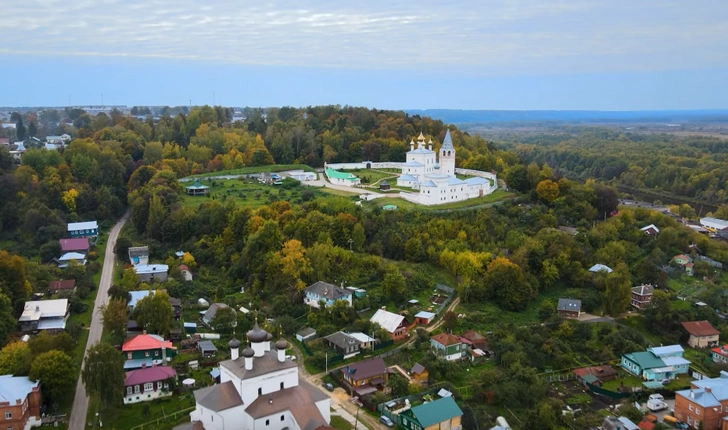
column 441, row 414
column 197, row 189
column 657, row 363
column 389, row 207
column 342, row 178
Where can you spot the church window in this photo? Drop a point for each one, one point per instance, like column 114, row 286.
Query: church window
column 283, row 417
column 281, row 385
column 260, row 391
column 267, row 422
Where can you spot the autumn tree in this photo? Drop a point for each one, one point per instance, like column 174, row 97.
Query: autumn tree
column 547, row 190
column 115, row 315
column 15, row 359
column 103, row 373
column 47, row 341
column 13, row 283
column 292, row 263
column 154, row 313
column 56, row 373
column 505, row 283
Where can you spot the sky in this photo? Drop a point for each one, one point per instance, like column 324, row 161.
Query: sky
column 467, row 54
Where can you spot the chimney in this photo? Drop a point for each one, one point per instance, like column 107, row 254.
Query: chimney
column 708, row 390
column 18, row 401
column 144, row 365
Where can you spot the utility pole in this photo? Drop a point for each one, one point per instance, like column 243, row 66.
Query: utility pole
column 327, row 364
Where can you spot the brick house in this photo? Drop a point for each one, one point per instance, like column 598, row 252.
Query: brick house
column 19, row 402
column 642, row 296
column 396, row 325
column 702, row 334
column 706, row 403
column 569, row 308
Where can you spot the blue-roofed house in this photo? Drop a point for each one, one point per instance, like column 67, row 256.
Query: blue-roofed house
column 83, row 229
column 20, row 400
column 705, row 402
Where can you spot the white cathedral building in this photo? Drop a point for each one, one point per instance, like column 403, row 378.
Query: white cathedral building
column 259, row 390
column 431, row 175
column 435, row 179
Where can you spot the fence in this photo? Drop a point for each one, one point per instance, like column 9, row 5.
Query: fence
column 450, row 294
column 607, row 393
column 155, row 423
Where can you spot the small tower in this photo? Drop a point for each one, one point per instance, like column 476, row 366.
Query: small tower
column 447, row 156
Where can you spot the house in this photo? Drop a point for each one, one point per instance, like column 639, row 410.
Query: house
column 147, row 350
column 71, row 258
column 651, row 230
column 477, row 340
column 329, row 293
column 366, row 376
column 705, row 402
column 138, row 255
column 44, row 315
column 419, row 373
column 341, row 178
column 600, row 268
column 394, row 324
column 713, row 224
column 55, row 140
column 211, row 312
column 448, row 346
column 151, row 272
column 83, row 229
column 259, row 389
column 344, row 344
column 424, row 317
column 690, row 269
column 186, row 273
column 79, row 244
column 20, row 400
column 364, row 340
column 702, row 334
column 176, row 307
column 307, row 333
column 656, row 364
column 621, row 423
column 642, row 296
column 148, row 383
column 439, row 414
column 595, row 375
column 569, row 308
column 197, row 189
column 682, row 259
column 207, row 348
column 55, row 287
column 720, row 354
column 384, row 185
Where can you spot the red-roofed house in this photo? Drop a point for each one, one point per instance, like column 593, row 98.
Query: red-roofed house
column 448, row 346
column 147, row 383
column 79, row 244
column 702, row 334
column 147, row 350
column 62, row 285
column 720, row 354
column 186, row 274
column 595, row 375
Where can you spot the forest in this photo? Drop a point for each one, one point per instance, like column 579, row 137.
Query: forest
column 691, row 167
column 510, row 256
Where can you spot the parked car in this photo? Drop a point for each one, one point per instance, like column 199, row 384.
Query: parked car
column 328, row 386
column 656, row 403
column 386, row 421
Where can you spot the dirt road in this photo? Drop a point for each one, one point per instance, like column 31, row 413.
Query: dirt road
column 80, row 400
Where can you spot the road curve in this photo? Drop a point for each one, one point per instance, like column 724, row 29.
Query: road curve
column 80, row 400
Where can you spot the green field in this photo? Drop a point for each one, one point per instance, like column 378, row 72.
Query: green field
column 373, row 176
column 250, row 193
column 256, row 169
column 473, row 203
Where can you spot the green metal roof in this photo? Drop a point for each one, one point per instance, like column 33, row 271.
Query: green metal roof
column 331, row 173
column 590, row 378
column 645, row 360
column 436, row 412
column 197, row 186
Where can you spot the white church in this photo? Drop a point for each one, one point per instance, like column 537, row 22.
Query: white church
column 433, row 175
column 259, row 390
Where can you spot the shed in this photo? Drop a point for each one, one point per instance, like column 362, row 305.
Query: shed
column 424, row 317
column 306, row 334
column 384, row 185
column 207, row 348
column 190, row 327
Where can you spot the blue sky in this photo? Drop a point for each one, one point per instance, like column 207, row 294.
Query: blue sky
column 494, row 54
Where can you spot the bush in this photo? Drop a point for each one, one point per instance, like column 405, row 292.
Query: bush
column 93, row 256
column 307, row 195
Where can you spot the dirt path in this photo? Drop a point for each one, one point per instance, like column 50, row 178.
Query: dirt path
column 80, row 400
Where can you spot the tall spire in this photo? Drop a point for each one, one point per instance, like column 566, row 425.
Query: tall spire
column 447, row 142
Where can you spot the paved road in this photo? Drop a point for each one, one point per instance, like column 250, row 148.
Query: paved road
column 80, row 400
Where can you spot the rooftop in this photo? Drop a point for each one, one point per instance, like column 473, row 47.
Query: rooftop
column 700, row 328
column 329, row 291
column 645, row 359
column 206, row 345
column 300, row 400
column 435, row 412
column 36, row 310
column 67, row 284
column 197, row 186
column 600, row 268
column 13, row 388
column 78, row 244
column 569, row 305
column 86, row 225
column 144, row 342
column 425, row 314
column 331, row 173
column 643, row 290
column 149, row 374
column 341, row 339
column 446, row 339
column 666, row 350
column 143, row 269
column 218, row 397
column 366, row 368
column 387, row 320
column 262, row 365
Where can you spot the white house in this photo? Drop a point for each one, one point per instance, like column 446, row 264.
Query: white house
column 259, row 389
column 44, row 315
column 83, row 229
column 328, row 293
column 713, row 224
column 151, row 272
column 342, row 178
column 69, row 257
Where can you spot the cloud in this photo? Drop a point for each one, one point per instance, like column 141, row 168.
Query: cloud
column 495, row 37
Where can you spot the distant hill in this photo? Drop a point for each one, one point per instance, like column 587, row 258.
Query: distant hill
column 455, row 116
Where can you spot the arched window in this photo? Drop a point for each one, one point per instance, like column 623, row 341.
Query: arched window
column 282, row 385
column 260, row 391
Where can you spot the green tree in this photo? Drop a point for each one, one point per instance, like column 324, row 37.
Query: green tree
column 517, row 178
column 13, row 282
column 32, row 129
column 224, row 320
column 617, row 291
column 394, row 285
column 46, row 341
column 20, row 129
column 506, row 284
column 130, row 280
column 157, row 216
column 56, row 373
column 115, row 315
column 154, row 313
column 15, row 359
column 7, row 321
column 103, row 373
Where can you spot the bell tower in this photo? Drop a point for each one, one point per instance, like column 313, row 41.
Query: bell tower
column 447, row 156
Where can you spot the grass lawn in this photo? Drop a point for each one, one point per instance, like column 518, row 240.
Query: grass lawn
column 472, row 203
column 166, row 410
column 373, row 176
column 624, row 379
column 250, row 193
column 339, row 423
column 256, row 169
column 579, row 398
